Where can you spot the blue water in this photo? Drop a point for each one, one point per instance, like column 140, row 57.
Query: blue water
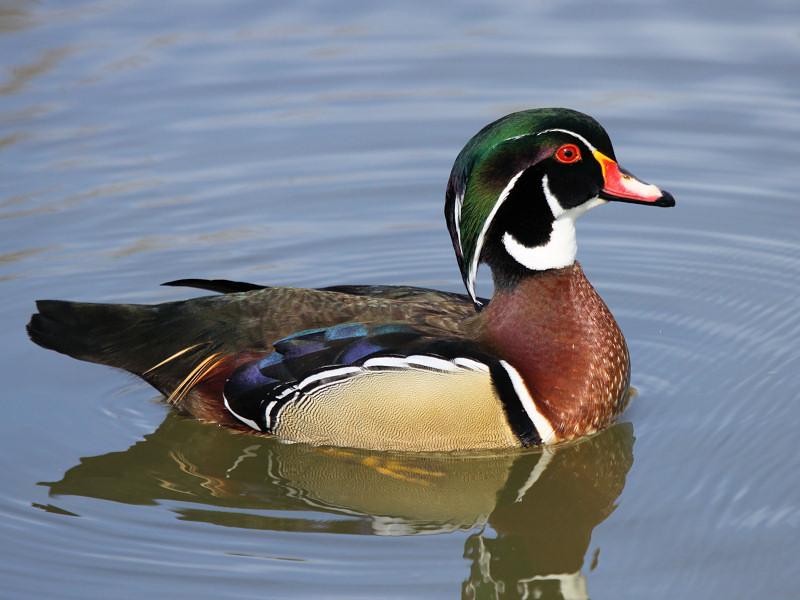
column 310, row 145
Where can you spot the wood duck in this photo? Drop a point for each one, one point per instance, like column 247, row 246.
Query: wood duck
column 398, row 367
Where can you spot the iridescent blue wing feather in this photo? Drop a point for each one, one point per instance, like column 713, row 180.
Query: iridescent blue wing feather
column 316, row 357
column 324, row 365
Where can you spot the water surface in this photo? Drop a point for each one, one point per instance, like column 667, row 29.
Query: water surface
column 310, row 145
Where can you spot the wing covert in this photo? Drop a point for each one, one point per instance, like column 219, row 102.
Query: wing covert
column 384, row 386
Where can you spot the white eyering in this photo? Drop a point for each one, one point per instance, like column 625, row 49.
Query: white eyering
column 562, row 247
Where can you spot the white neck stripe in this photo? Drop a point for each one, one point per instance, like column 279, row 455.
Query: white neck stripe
column 562, row 247
column 559, row 252
column 457, row 211
column 473, row 266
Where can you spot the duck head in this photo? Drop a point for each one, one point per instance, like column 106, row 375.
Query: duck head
column 519, row 184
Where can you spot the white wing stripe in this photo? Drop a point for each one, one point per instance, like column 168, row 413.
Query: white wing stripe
column 267, row 418
column 327, row 374
column 420, row 361
column 471, row 364
column 248, row 422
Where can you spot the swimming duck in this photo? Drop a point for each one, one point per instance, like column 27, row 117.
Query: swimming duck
column 399, row 367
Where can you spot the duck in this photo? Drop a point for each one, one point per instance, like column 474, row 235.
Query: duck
column 405, row 368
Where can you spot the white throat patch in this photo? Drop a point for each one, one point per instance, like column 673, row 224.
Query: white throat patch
column 562, row 248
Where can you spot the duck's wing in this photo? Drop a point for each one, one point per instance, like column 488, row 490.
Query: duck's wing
column 407, row 293
column 388, row 292
column 169, row 344
column 383, row 386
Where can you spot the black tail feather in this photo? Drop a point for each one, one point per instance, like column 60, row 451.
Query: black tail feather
column 162, row 343
column 92, row 332
column 172, row 346
column 55, row 335
column 222, row 286
column 133, row 337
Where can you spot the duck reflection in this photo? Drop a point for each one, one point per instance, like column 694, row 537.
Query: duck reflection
column 533, row 511
column 544, row 517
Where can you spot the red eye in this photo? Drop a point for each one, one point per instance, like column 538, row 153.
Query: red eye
column 568, row 153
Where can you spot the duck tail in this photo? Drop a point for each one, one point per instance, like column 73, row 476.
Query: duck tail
column 107, row 334
column 172, row 346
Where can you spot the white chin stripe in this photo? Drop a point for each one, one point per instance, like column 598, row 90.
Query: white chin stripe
column 562, row 247
column 559, row 252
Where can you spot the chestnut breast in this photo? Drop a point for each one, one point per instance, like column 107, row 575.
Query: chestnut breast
column 557, row 332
